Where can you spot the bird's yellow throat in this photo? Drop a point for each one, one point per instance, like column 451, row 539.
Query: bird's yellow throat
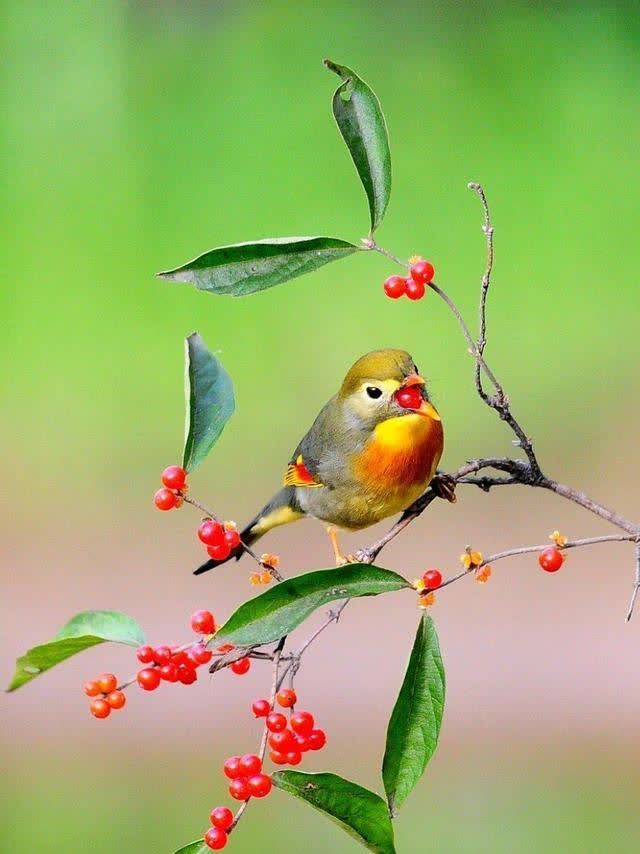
column 402, row 451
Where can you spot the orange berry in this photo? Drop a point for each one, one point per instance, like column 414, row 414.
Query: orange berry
column 100, row 709
column 116, row 699
column 92, row 689
column 107, row 683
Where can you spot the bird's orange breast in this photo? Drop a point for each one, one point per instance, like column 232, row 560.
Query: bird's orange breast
column 402, row 454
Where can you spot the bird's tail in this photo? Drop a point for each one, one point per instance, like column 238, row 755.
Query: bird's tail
column 282, row 509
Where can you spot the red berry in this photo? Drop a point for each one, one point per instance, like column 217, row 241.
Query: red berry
column 211, row 532
column 259, row 785
column 202, row 623
column 261, row 708
column 282, row 741
column 239, row 789
column 232, row 539
column 232, row 767
column 415, row 290
column 287, row 698
column 169, row 672
column 241, row 666
column 551, row 559
column 250, row 764
column 215, row 838
column 422, row 272
column 100, row 709
column 148, row 678
column 92, row 689
column 201, row 654
column 294, row 757
column 221, row 817
column 276, row 722
column 116, row 699
column 395, row 286
column 277, row 757
column 302, row 722
column 144, row 654
column 164, row 499
column 162, row 655
column 432, row 579
column 220, row 551
column 174, row 477
column 302, row 743
column 107, row 682
column 317, row 739
column 187, row 674
column 409, row 398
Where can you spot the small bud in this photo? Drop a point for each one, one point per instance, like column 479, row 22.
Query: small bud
column 427, row 601
column 559, row 539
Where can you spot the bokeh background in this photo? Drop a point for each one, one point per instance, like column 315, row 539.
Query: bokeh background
column 138, row 134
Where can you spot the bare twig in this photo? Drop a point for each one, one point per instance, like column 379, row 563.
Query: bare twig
column 636, row 584
column 487, row 229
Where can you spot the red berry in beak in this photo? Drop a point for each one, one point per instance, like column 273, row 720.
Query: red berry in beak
column 409, row 398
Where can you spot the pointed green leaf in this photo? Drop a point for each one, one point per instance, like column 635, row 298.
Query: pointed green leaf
column 245, row 268
column 362, row 813
column 83, row 631
column 209, row 399
column 414, row 727
column 277, row 612
column 197, row 847
column 360, row 120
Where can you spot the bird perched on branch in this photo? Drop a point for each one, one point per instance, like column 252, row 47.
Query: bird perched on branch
column 372, row 450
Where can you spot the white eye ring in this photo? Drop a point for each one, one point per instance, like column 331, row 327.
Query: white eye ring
column 374, row 392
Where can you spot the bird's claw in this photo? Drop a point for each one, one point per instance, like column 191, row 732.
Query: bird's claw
column 444, row 486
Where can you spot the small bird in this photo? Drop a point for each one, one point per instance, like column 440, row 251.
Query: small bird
column 372, row 450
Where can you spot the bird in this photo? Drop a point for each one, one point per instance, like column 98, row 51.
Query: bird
column 371, row 452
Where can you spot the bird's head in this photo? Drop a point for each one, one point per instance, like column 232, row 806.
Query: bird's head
column 385, row 384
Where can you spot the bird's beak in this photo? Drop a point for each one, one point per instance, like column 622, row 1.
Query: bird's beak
column 430, row 411
column 413, row 379
column 425, row 407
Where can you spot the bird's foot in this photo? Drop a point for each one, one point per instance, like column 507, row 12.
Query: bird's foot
column 444, row 486
column 341, row 560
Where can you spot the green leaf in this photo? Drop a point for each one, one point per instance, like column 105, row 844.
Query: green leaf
column 414, row 727
column 197, row 847
column 245, row 268
column 83, row 631
column 277, row 612
column 209, row 399
column 362, row 813
column 361, row 122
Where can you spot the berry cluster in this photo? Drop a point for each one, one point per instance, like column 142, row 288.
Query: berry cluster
column 172, row 493
column 176, row 664
column 107, row 696
column 288, row 740
column 220, row 540
column 414, row 285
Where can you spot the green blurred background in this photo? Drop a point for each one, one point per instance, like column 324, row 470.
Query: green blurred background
column 136, row 135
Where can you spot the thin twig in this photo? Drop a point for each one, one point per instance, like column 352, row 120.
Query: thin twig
column 523, row 550
column 265, row 733
column 487, row 229
column 636, row 585
column 332, row 617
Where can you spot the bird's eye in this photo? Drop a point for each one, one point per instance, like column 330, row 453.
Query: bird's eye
column 374, row 392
